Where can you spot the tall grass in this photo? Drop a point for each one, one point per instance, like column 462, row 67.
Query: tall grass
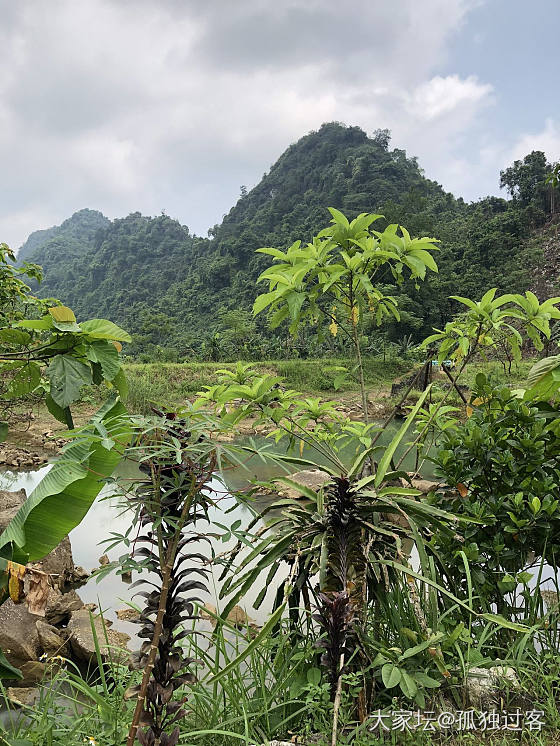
column 173, row 383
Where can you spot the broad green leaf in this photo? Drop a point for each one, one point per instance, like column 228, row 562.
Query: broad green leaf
column 56, row 411
column 24, row 381
column 408, row 685
column 541, row 368
column 120, row 382
column 338, row 217
column 39, row 324
column 66, row 492
column 106, row 354
column 391, row 675
column 14, row 337
column 262, row 301
column 62, row 313
column 104, row 329
column 7, row 671
column 67, row 375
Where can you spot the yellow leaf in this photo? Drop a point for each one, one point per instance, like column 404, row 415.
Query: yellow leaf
column 354, row 315
column 470, row 410
column 62, row 313
column 462, row 490
column 301, row 445
column 118, row 345
column 333, row 328
column 16, row 574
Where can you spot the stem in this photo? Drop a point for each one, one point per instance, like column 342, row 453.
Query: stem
column 68, row 418
column 337, row 698
column 358, row 352
column 166, row 575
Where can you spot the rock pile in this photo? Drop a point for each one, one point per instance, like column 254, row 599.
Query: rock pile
column 28, row 640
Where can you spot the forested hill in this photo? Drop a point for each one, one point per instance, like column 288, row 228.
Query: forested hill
column 188, row 294
column 76, row 234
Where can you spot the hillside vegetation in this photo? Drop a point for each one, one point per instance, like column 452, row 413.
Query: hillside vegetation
column 184, row 297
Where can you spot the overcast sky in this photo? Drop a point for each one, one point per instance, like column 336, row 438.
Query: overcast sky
column 151, row 105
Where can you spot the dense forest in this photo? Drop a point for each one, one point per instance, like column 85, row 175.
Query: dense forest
column 183, row 296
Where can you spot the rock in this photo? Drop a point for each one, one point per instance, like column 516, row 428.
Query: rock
column 19, row 638
column 484, row 684
column 10, row 503
column 82, row 641
column 33, row 672
column 424, row 485
column 80, row 574
column 103, row 560
column 50, row 640
column 59, row 563
column 22, row 696
column 312, row 478
column 127, row 615
column 61, row 605
column 238, row 617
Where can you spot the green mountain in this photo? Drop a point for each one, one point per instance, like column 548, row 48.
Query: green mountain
column 180, row 294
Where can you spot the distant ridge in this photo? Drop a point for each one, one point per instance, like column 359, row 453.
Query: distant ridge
column 171, row 289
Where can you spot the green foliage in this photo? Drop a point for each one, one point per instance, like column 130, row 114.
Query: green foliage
column 76, row 355
column 505, row 459
column 175, row 291
column 493, row 320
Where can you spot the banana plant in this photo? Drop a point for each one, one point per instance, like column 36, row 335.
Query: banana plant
column 61, row 499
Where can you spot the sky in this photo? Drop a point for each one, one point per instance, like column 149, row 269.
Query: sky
column 172, row 105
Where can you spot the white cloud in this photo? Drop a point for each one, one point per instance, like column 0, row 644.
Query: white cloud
column 547, row 140
column 440, row 96
column 120, row 105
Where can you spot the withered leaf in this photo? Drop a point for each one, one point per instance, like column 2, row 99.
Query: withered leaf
column 16, row 573
column 37, row 592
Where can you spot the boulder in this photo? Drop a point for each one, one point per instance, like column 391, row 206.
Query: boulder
column 22, row 696
column 10, row 503
column 33, row 672
column 128, row 615
column 19, row 638
column 61, row 605
column 82, row 642
column 483, row 685
column 312, row 478
column 50, row 639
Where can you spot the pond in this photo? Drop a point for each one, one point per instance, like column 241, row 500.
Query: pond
column 107, row 516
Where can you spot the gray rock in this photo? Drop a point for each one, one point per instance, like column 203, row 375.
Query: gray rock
column 112, row 644
column 312, row 478
column 19, row 638
column 10, row 503
column 484, row 684
column 22, row 696
column 50, row 640
column 61, row 605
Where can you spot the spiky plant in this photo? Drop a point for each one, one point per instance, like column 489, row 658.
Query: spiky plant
column 170, row 501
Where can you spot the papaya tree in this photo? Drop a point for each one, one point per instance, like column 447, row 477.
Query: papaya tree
column 336, row 279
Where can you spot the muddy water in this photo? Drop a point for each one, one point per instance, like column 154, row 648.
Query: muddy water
column 107, row 516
